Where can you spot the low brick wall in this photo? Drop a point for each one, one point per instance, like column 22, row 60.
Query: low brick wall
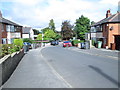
column 8, row 64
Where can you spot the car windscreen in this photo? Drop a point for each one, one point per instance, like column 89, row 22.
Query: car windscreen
column 67, row 42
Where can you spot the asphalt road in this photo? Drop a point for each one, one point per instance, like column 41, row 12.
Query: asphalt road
column 58, row 67
column 34, row 72
column 82, row 70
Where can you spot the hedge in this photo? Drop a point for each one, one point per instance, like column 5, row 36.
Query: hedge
column 10, row 48
column 75, row 42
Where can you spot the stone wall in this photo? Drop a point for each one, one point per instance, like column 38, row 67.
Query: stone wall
column 8, row 64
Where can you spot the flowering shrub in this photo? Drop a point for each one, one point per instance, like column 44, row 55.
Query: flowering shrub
column 6, row 49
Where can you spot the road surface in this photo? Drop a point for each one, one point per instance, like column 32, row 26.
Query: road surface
column 82, row 70
column 58, row 67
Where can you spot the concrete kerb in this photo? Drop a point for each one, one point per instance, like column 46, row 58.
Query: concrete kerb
column 107, row 50
column 95, row 54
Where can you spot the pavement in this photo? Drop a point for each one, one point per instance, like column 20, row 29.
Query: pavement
column 98, row 52
column 34, row 72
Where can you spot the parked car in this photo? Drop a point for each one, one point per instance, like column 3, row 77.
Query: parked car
column 53, row 43
column 28, row 44
column 67, row 44
column 57, row 42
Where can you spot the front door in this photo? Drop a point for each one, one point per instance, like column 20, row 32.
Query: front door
column 117, row 42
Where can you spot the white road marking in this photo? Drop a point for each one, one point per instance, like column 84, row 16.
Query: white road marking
column 55, row 72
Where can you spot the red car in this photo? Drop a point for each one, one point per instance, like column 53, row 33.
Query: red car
column 67, row 44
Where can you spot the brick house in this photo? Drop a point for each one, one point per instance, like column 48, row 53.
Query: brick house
column 108, row 31
column 10, row 31
column 0, row 28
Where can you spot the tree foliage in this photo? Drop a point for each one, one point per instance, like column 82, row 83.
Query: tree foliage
column 82, row 26
column 45, row 29
column 92, row 23
column 18, row 42
column 66, row 30
column 27, row 40
column 57, row 37
column 52, row 25
column 49, row 34
column 39, row 37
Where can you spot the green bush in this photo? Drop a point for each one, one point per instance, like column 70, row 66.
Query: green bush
column 27, row 40
column 4, row 49
column 8, row 49
column 18, row 44
column 75, row 42
column 93, row 42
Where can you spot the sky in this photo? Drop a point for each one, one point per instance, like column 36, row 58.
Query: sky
column 37, row 13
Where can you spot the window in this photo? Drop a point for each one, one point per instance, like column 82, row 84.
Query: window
column 17, row 28
column 8, row 28
column 12, row 40
column 99, row 28
column 4, row 41
column 3, row 27
column 12, row 29
column 93, row 29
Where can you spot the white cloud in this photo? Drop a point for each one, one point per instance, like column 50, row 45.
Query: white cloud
column 39, row 12
column 112, row 2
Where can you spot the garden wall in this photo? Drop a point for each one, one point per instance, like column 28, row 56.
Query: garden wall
column 8, row 64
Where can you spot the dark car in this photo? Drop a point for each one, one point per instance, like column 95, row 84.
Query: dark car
column 57, row 42
column 53, row 43
column 28, row 44
column 67, row 44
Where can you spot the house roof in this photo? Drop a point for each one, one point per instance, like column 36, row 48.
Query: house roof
column 116, row 18
column 6, row 21
column 112, row 19
column 26, row 30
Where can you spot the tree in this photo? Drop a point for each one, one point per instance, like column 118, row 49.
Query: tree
column 18, row 44
column 39, row 37
column 92, row 23
column 66, row 30
column 57, row 37
column 49, row 34
column 27, row 40
column 82, row 26
column 45, row 29
column 52, row 25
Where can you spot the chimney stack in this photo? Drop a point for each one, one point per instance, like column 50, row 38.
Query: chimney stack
column 108, row 14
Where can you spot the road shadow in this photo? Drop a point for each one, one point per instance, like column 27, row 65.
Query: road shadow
column 105, row 75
